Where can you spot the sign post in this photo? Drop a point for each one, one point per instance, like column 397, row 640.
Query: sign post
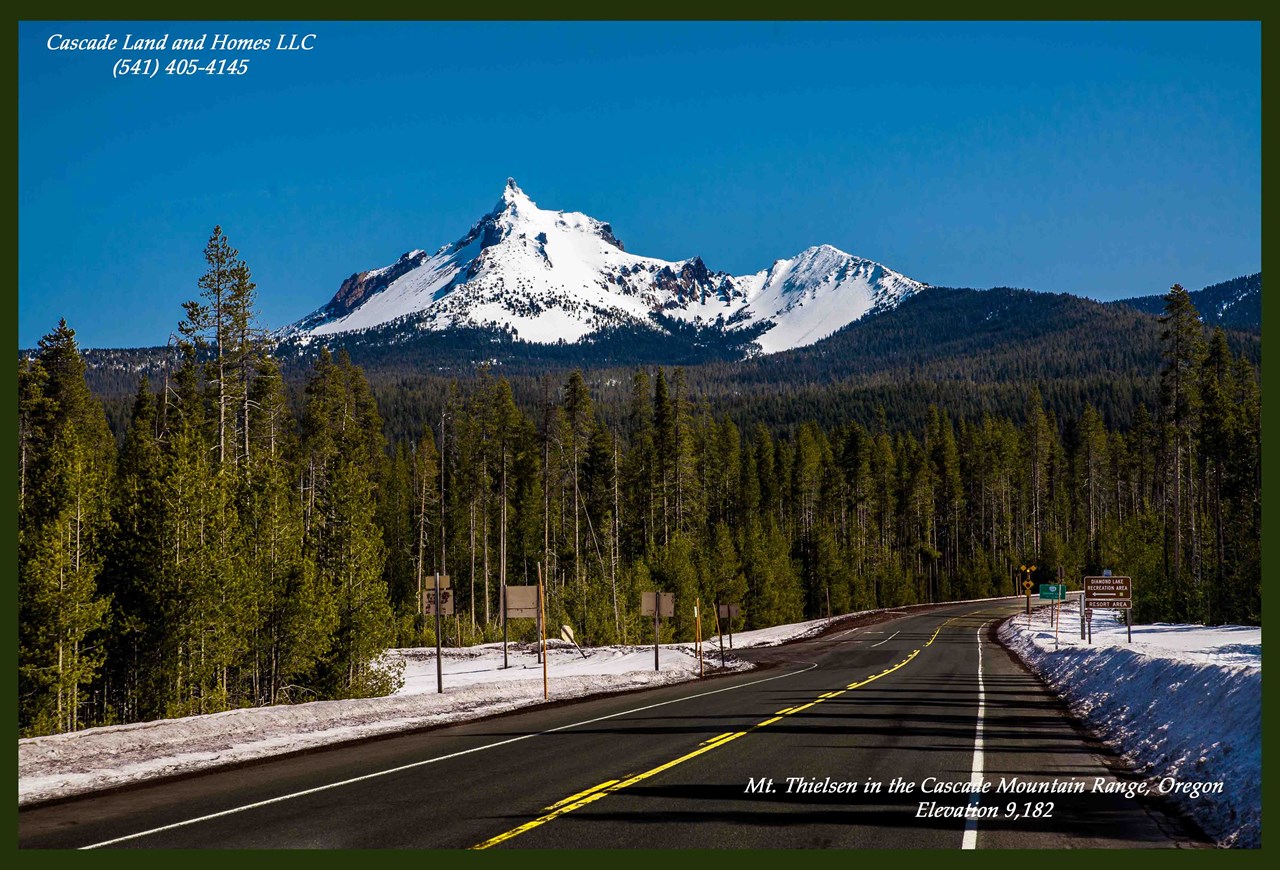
column 697, row 632
column 719, row 635
column 1027, row 571
column 1054, row 592
column 542, row 632
column 729, row 611
column 1109, row 593
column 659, row 604
column 438, row 602
column 566, row 635
column 518, row 602
column 655, row 638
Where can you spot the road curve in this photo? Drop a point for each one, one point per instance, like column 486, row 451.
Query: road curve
column 761, row 759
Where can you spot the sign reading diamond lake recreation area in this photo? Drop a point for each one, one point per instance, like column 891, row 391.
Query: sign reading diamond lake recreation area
column 1103, row 593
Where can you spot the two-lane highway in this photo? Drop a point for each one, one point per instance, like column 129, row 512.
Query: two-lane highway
column 833, row 746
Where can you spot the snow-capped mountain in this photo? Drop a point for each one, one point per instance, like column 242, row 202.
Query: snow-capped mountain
column 545, row 276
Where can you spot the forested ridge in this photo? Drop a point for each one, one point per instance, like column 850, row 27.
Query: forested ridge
column 245, row 542
column 973, row 352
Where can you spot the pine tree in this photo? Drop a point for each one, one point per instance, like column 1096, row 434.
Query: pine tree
column 293, row 618
column 134, row 569
column 1183, row 339
column 342, row 439
column 63, row 526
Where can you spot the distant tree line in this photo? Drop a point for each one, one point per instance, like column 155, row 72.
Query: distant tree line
column 243, row 546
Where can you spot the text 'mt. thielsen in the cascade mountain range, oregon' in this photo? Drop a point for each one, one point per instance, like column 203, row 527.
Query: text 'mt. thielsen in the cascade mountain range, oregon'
column 548, row 276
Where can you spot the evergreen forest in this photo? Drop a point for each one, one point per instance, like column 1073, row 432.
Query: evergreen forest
column 247, row 537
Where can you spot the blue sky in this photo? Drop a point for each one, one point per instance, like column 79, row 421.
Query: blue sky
column 1106, row 160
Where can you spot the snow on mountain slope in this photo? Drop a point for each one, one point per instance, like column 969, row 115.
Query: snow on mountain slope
column 548, row 276
column 817, row 292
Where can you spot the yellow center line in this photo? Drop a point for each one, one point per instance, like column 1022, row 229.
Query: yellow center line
column 596, row 795
column 583, row 798
column 573, row 797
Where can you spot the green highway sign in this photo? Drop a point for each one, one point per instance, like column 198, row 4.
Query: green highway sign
column 1053, row 591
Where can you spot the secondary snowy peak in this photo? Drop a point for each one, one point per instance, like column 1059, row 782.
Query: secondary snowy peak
column 548, row 276
column 819, row 291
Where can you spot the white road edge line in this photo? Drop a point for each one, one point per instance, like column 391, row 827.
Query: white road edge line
column 889, row 638
column 970, row 840
column 404, row 767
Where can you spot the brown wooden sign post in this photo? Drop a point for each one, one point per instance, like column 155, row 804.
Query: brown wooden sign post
column 1108, row 593
column 658, row 604
column 729, row 611
column 518, row 602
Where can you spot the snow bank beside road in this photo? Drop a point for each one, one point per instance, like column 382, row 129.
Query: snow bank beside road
column 1181, row 701
column 476, row 685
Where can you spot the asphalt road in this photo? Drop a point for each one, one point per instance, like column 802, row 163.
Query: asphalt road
column 726, row 762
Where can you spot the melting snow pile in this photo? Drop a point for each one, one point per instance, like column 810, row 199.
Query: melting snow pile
column 476, row 685
column 1181, row 703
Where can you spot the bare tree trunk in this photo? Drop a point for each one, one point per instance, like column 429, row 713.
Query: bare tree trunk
column 502, row 534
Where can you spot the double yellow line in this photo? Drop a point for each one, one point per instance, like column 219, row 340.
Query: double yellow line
column 595, row 793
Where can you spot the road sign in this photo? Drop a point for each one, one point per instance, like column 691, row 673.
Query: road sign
column 521, row 602
column 1053, row 591
column 566, row 634
column 438, row 601
column 666, row 602
column 1108, row 593
column 1027, row 584
column 446, row 601
column 729, row 610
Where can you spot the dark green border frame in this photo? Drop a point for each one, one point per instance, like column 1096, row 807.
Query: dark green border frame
column 689, row 10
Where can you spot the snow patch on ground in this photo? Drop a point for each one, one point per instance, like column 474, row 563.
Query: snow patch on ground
column 1181, row 701
column 476, row 685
